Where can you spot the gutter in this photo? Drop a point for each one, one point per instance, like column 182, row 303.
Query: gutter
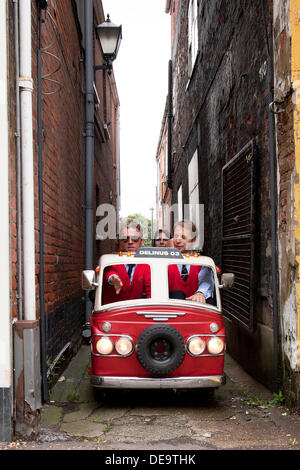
column 274, row 251
column 18, row 155
column 89, row 154
column 41, row 210
column 170, row 117
column 26, row 90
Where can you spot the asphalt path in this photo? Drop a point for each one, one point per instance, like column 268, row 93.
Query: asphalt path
column 241, row 415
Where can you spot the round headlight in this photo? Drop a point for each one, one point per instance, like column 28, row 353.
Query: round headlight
column 215, row 345
column 123, row 346
column 196, row 346
column 104, row 345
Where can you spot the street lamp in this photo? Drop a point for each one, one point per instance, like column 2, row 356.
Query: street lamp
column 109, row 36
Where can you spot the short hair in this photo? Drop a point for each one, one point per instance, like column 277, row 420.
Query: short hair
column 131, row 224
column 161, row 230
column 189, row 224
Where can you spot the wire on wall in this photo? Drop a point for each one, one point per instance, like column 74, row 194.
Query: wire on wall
column 48, row 77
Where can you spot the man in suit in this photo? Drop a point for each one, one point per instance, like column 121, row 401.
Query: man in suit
column 127, row 281
column 187, row 282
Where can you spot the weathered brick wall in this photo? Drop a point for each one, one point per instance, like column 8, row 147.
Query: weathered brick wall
column 12, row 161
column 63, row 174
column 63, row 122
column 287, row 200
column 224, row 106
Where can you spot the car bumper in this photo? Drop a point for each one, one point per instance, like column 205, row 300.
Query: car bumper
column 163, row 383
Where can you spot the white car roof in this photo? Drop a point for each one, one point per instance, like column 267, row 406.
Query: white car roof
column 156, row 256
column 158, row 259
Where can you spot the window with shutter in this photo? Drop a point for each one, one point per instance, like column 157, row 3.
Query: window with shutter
column 238, row 234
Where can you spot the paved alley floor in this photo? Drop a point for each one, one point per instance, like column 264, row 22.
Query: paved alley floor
column 242, row 415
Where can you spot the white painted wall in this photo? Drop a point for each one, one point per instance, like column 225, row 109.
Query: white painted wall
column 5, row 316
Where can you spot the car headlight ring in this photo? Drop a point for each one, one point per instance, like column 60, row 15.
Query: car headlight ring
column 196, row 346
column 104, row 345
column 215, row 345
column 124, row 346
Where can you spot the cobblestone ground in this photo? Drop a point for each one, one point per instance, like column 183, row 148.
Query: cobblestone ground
column 242, row 415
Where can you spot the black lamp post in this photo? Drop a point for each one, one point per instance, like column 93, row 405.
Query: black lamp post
column 109, row 36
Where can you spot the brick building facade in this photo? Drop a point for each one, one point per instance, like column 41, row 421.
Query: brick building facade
column 227, row 57
column 59, row 179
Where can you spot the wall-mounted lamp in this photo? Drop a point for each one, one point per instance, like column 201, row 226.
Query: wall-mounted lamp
column 109, row 36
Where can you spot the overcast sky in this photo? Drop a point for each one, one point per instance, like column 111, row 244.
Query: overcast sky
column 141, row 71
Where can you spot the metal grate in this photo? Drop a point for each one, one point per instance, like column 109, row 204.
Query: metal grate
column 238, row 230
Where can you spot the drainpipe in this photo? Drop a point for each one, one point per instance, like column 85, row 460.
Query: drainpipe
column 170, row 116
column 26, row 89
column 118, row 166
column 89, row 149
column 18, row 155
column 27, row 381
column 273, row 229
column 273, row 193
column 41, row 209
column 6, row 399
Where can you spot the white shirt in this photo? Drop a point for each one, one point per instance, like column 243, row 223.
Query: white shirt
column 206, row 283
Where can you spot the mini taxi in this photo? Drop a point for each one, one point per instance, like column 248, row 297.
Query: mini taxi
column 156, row 341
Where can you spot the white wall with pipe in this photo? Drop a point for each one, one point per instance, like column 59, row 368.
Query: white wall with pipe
column 26, row 89
column 5, row 316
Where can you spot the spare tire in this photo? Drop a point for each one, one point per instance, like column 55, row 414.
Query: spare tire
column 160, row 349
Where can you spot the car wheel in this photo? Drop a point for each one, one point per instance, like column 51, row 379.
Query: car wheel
column 160, row 349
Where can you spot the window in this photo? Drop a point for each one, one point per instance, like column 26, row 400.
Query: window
column 238, row 226
column 179, row 201
column 196, row 210
column 185, row 280
column 193, row 180
column 166, row 153
column 192, row 36
column 136, row 280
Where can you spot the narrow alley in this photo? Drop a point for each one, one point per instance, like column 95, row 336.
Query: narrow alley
column 167, row 241
column 243, row 415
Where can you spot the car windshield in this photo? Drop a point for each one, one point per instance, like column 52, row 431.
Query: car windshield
column 191, row 282
column 187, row 280
column 126, row 282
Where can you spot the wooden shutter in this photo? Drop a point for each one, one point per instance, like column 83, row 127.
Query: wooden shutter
column 238, row 232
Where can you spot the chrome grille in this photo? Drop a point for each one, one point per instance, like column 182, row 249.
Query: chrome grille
column 161, row 316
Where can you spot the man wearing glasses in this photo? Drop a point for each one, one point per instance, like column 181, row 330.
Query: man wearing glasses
column 127, row 281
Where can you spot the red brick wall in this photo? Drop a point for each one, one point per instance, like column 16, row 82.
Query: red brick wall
column 63, row 154
column 286, row 163
column 63, row 123
column 12, row 162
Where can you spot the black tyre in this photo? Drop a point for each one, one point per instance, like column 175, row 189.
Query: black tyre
column 160, row 349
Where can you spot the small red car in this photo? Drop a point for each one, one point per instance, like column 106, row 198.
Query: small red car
column 158, row 341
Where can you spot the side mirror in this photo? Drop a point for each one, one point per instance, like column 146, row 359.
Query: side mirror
column 227, row 280
column 88, row 280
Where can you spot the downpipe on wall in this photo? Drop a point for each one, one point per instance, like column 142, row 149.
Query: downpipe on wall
column 170, row 117
column 273, row 192
column 41, row 208
column 89, row 153
column 27, row 383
